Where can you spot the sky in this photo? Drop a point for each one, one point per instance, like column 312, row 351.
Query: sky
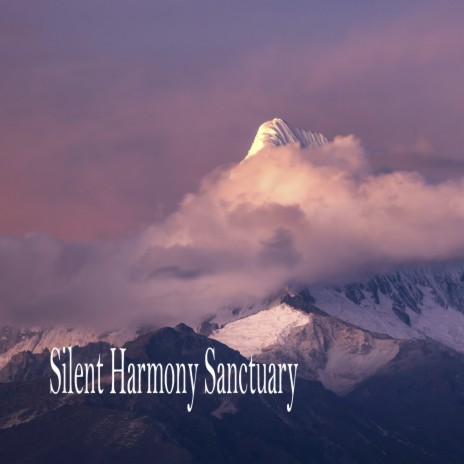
column 111, row 111
column 123, row 126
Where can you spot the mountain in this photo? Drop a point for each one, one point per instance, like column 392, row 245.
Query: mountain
column 337, row 354
column 278, row 132
column 322, row 428
column 424, row 302
column 416, row 303
column 14, row 340
column 380, row 375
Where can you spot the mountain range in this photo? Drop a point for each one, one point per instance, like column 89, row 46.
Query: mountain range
column 380, row 378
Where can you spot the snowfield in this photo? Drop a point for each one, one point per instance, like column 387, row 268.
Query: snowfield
column 337, row 354
column 252, row 334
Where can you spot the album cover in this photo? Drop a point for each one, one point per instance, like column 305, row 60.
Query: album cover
column 231, row 232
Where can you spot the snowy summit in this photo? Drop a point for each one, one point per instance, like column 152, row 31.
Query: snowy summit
column 279, row 132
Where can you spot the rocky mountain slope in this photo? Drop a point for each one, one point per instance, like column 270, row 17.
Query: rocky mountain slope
column 322, row 428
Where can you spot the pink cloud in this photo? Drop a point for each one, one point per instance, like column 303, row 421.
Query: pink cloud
column 96, row 148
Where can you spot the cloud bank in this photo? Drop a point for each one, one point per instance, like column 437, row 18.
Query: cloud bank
column 100, row 106
column 285, row 216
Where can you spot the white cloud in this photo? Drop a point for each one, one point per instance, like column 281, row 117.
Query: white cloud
column 286, row 215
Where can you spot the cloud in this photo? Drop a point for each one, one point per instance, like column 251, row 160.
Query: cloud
column 287, row 215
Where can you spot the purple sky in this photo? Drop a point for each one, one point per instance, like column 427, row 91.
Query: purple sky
column 112, row 110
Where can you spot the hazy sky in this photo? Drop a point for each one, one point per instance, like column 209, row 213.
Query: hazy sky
column 111, row 111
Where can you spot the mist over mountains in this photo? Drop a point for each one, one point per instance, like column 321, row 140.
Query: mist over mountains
column 298, row 254
column 299, row 210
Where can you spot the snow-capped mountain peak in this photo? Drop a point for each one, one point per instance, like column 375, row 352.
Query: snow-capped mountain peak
column 279, row 132
column 338, row 354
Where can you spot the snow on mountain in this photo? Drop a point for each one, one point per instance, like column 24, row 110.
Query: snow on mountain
column 421, row 303
column 337, row 354
column 279, row 132
column 14, row 341
column 346, row 333
column 425, row 302
column 254, row 333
